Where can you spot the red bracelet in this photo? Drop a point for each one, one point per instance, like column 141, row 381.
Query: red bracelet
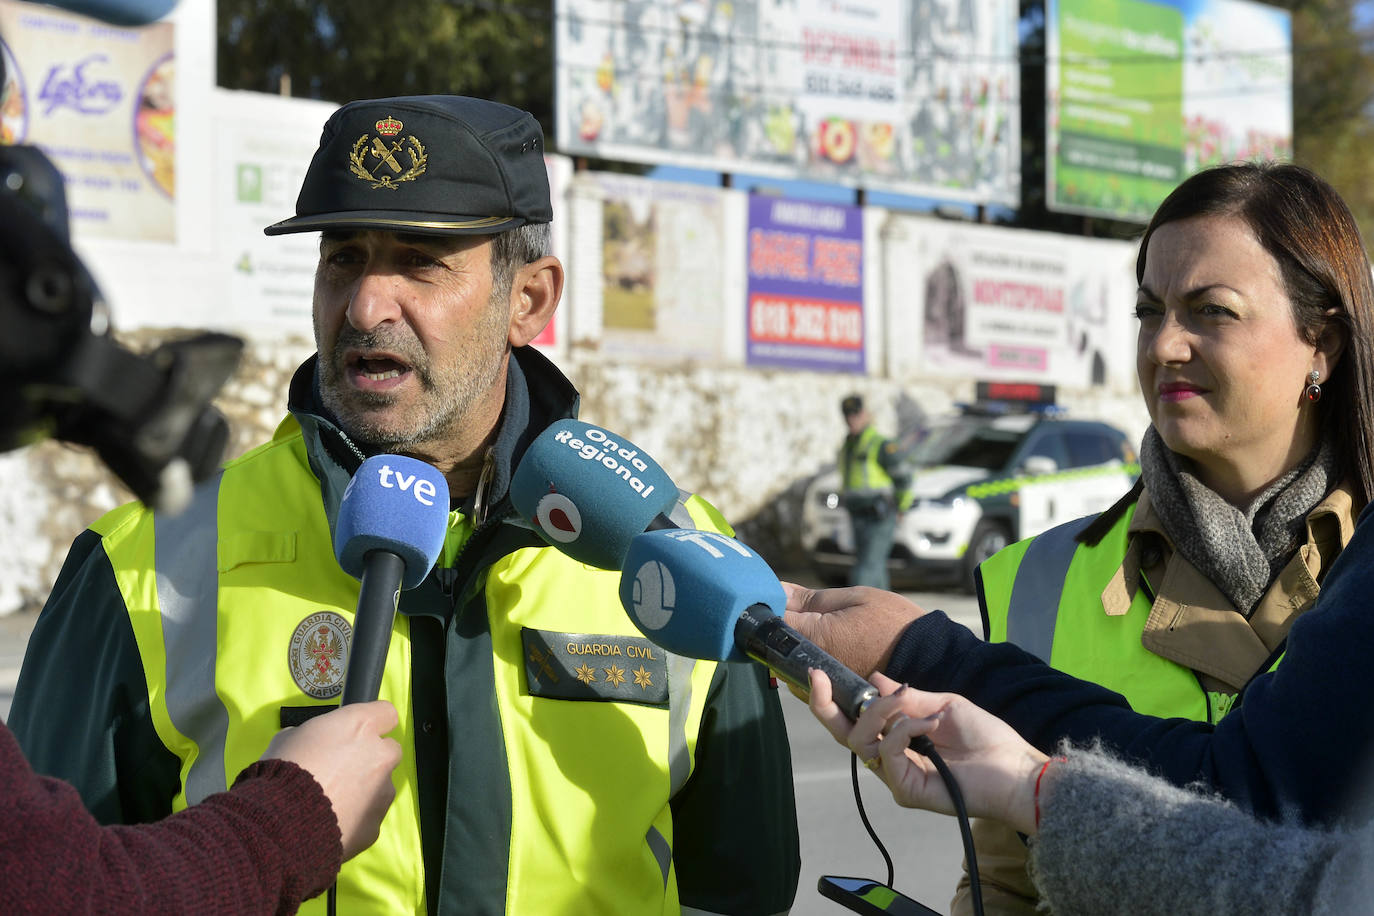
column 1039, row 776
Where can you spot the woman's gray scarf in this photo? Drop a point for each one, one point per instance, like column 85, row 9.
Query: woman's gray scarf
column 1241, row 551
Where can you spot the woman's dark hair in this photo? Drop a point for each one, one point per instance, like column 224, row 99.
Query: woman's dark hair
column 1306, row 227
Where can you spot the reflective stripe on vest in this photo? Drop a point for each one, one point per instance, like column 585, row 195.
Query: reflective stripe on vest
column 1045, row 595
column 1031, row 613
column 679, row 715
column 187, row 583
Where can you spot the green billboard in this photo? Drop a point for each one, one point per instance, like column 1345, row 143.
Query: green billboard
column 1140, row 94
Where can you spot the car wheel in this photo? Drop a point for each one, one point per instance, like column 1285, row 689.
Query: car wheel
column 988, row 538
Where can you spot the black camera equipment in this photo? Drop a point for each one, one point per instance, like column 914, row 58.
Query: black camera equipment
column 147, row 416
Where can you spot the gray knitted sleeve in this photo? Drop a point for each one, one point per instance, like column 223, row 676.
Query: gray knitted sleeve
column 1113, row 839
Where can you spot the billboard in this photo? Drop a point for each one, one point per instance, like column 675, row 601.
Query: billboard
column 258, row 173
column 912, row 96
column 662, row 247
column 101, row 102
column 1141, row 94
column 1010, row 305
column 804, row 264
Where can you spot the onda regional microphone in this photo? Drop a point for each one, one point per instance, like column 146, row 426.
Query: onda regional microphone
column 388, row 534
column 706, row 595
column 588, row 492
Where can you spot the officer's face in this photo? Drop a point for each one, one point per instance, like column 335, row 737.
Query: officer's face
column 1220, row 361
column 413, row 346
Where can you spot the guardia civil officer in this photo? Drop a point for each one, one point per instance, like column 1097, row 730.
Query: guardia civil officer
column 874, row 489
column 553, row 760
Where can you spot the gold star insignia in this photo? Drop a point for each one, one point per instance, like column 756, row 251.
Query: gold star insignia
column 586, row 674
column 643, row 679
column 615, row 675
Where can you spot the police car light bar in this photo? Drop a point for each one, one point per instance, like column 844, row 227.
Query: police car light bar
column 1025, row 393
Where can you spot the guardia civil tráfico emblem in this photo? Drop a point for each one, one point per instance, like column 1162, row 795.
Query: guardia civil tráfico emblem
column 385, row 161
column 319, row 654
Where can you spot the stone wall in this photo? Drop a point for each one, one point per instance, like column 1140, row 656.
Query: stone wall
column 748, row 440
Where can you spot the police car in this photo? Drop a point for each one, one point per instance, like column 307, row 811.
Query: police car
column 995, row 473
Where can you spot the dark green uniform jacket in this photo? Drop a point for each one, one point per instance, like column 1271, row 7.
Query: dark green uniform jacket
column 554, row 761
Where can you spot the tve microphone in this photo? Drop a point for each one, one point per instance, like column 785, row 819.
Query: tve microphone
column 706, row 595
column 588, row 492
column 389, row 532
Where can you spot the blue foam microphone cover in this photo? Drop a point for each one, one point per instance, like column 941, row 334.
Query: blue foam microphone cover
column 396, row 504
column 685, row 590
column 589, row 492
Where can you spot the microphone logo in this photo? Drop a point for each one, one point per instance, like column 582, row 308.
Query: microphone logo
column 654, row 597
column 558, row 518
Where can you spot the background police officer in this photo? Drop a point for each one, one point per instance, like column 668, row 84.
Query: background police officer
column 874, row 488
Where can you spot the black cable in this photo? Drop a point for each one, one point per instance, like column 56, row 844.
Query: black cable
column 923, row 746
column 863, row 816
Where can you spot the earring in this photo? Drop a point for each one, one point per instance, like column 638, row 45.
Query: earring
column 1314, row 391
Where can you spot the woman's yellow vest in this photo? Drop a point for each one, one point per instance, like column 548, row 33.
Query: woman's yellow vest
column 240, row 610
column 1065, row 601
column 1033, row 585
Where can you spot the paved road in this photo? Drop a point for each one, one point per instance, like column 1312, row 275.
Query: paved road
column 925, row 848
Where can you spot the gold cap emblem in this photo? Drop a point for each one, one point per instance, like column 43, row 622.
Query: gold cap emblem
column 386, row 164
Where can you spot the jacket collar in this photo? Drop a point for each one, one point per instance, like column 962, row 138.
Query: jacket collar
column 537, row 394
column 1192, row 623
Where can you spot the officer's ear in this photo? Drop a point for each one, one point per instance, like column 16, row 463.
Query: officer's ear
column 534, row 294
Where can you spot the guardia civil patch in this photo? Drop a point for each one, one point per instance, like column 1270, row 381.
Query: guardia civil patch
column 588, row 666
column 318, row 654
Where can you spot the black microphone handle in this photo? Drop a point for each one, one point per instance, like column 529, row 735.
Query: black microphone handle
column 377, row 600
column 765, row 638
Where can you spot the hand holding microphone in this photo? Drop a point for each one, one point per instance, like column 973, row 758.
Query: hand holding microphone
column 389, row 532
column 996, row 768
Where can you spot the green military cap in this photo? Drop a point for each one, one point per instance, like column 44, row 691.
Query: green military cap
column 429, row 164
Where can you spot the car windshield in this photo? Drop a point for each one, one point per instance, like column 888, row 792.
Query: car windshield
column 969, row 443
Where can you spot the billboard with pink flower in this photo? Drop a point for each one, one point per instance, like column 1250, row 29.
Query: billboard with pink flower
column 913, row 96
column 1142, row 93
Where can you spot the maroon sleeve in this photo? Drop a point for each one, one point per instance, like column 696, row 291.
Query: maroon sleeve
column 263, row 847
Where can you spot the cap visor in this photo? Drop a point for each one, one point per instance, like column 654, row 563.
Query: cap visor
column 397, row 221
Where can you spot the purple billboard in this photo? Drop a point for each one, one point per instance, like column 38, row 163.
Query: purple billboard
column 805, row 285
